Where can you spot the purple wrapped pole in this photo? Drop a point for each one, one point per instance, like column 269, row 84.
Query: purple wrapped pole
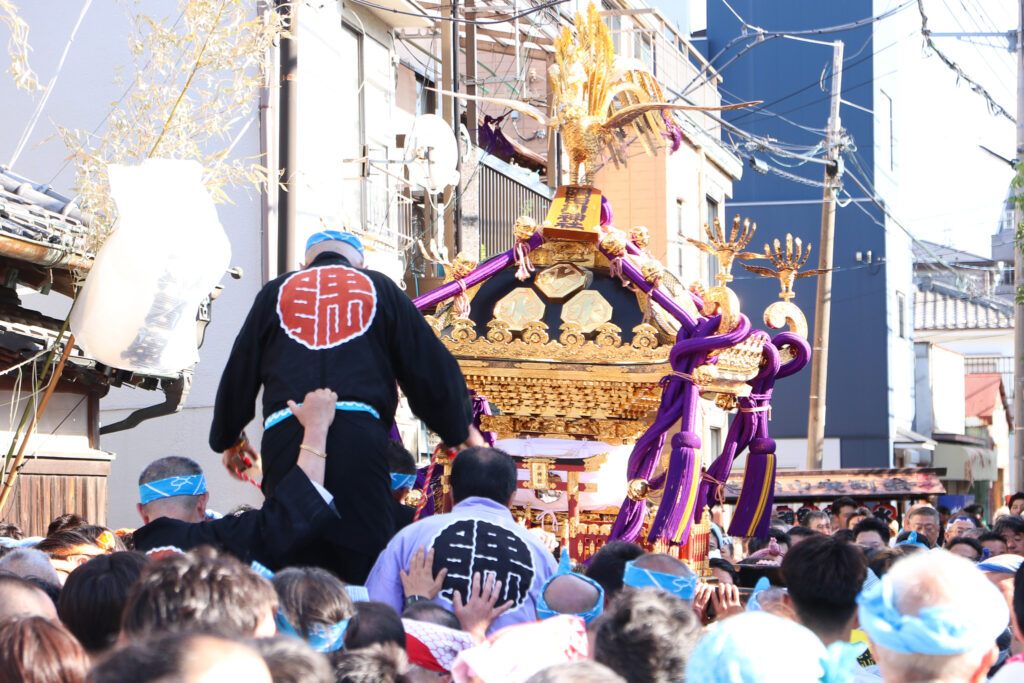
column 475, row 277
column 632, row 273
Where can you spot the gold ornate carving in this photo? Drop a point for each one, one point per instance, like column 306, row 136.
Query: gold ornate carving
column 645, row 337
column 524, row 228
column 588, row 309
column 464, row 330
column 435, row 324
column 501, row 345
column 652, row 272
column 572, row 335
column 735, row 367
column 782, row 313
column 564, row 251
column 497, row 332
column 535, row 332
column 576, row 427
column 608, row 335
column 560, row 281
column 640, row 236
column 614, row 242
column 724, row 302
column 519, row 307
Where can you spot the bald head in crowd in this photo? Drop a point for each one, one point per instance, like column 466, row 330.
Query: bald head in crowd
column 18, row 597
column 570, row 594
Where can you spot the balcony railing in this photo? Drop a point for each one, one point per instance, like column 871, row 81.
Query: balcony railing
column 976, row 365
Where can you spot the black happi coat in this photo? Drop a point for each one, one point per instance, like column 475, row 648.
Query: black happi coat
column 355, row 332
column 295, row 516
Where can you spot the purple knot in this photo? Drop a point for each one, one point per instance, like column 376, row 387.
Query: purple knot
column 762, row 445
column 686, row 440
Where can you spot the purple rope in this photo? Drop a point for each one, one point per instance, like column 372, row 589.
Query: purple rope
column 683, row 464
column 475, row 277
column 480, row 408
column 607, row 215
column 678, row 399
column 632, row 273
column 798, row 344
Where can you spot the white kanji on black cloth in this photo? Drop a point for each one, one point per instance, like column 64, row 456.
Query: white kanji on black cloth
column 470, row 546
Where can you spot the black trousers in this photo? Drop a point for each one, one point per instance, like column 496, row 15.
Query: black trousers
column 357, row 474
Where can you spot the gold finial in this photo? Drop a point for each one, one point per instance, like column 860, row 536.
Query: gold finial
column 727, row 249
column 787, row 264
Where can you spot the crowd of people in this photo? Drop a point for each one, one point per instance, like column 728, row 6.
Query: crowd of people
column 334, row 578
column 472, row 595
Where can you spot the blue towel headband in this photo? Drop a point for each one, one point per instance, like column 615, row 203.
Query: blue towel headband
column 336, row 236
column 322, row 637
column 544, row 611
column 187, row 485
column 679, row 586
column 933, row 631
column 401, row 481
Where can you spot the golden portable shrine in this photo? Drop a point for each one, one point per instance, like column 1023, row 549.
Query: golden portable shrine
column 588, row 360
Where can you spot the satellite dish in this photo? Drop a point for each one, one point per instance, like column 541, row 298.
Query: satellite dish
column 432, row 153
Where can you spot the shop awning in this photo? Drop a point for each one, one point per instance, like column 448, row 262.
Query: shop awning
column 966, row 462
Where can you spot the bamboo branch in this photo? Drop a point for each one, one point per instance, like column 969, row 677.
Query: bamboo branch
column 12, row 474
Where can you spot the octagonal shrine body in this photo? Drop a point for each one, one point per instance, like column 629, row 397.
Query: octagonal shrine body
column 569, row 360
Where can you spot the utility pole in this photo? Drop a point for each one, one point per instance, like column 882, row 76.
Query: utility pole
column 1018, row 280
column 823, row 302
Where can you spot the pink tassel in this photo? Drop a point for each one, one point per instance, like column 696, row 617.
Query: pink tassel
column 522, row 256
column 461, row 301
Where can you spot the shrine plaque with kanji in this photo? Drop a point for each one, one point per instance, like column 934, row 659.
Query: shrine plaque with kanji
column 575, row 214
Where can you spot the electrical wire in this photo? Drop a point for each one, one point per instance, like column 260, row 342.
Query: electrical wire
column 993, row 106
column 476, row 22
column 761, row 35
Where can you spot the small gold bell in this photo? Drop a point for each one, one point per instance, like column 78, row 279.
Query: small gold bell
column 638, row 489
column 413, row 498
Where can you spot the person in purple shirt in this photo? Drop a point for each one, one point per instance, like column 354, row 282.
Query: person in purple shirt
column 478, row 539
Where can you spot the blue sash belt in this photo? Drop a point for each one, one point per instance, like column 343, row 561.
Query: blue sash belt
column 354, row 406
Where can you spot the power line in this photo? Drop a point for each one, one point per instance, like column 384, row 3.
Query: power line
column 993, row 106
column 761, row 35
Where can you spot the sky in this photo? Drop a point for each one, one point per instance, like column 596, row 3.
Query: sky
column 950, row 191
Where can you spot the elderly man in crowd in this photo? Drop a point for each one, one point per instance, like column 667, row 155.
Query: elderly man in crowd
column 173, row 500
column 924, row 520
column 933, row 617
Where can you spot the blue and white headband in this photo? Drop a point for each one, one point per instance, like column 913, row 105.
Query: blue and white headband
column 946, row 630
column 544, row 611
column 679, row 586
column 402, row 481
column 322, row 637
column 912, row 539
column 335, row 236
column 185, row 485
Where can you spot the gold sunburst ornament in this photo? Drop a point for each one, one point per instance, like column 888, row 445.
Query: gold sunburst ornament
column 788, row 263
column 726, row 248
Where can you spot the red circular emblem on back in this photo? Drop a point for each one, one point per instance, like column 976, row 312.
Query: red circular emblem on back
column 326, row 306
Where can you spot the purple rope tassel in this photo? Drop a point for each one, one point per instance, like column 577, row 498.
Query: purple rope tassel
column 480, row 408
